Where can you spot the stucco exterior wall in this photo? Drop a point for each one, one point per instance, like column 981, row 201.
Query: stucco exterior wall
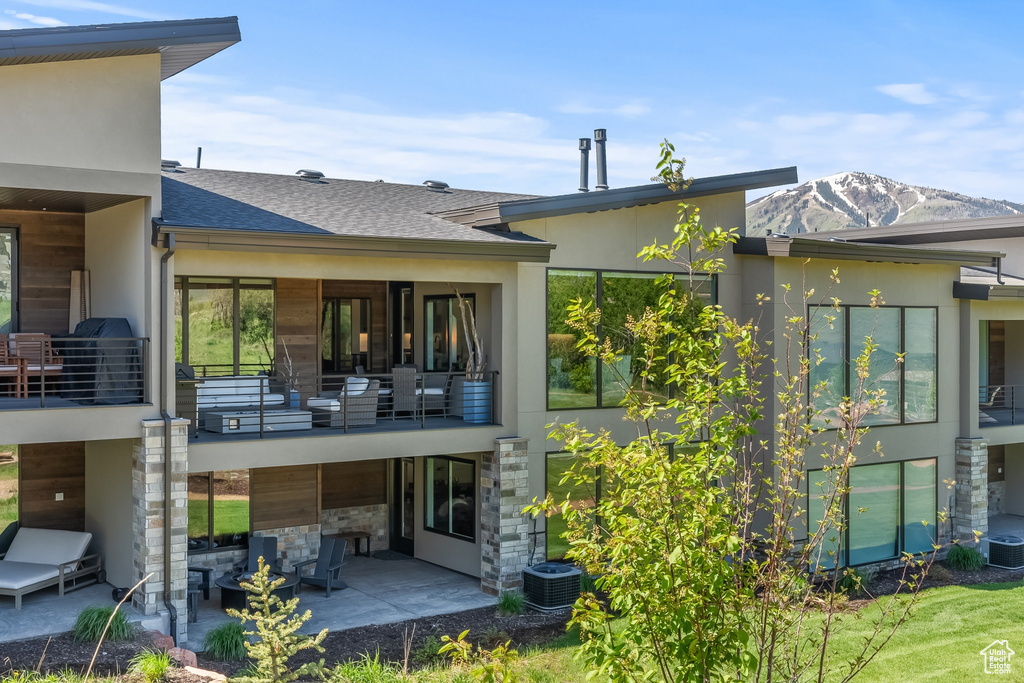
column 108, row 505
column 94, row 113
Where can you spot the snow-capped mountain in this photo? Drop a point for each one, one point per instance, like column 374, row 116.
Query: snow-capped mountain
column 856, row 200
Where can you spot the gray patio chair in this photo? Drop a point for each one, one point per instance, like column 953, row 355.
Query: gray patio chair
column 405, row 397
column 327, row 570
column 354, row 406
column 260, row 545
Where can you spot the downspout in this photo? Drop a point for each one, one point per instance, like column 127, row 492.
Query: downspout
column 999, row 271
column 171, row 611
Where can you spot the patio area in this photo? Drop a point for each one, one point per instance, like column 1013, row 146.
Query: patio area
column 379, row 592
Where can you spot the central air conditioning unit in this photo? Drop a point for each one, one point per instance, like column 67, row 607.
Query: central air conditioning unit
column 1005, row 552
column 551, row 586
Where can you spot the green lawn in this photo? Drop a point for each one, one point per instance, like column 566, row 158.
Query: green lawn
column 229, row 517
column 941, row 642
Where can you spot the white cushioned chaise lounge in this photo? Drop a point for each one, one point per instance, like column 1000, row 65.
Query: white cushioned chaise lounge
column 39, row 558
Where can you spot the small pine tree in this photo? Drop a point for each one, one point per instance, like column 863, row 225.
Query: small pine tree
column 276, row 624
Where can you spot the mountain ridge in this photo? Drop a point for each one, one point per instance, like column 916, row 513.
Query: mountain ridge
column 855, row 199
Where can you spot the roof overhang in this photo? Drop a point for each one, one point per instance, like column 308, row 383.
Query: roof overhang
column 620, row 198
column 800, row 247
column 986, row 292
column 932, row 232
column 61, row 201
column 181, row 43
column 201, row 238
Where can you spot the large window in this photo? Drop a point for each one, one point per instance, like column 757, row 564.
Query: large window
column 218, row 509
column 451, row 497
column 8, row 485
column 8, row 280
column 910, row 387
column 224, row 326
column 581, row 497
column 445, row 336
column 891, row 508
column 576, row 381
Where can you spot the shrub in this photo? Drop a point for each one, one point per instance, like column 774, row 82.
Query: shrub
column 427, row 652
column 511, row 602
column 150, row 664
column 856, row 581
column 225, row 643
column 92, row 620
column 965, row 559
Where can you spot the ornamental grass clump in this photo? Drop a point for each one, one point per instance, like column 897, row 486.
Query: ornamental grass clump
column 965, row 559
column 92, row 620
column 226, row 643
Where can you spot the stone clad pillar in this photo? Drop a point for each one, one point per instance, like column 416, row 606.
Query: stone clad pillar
column 149, row 525
column 504, row 539
column 971, row 508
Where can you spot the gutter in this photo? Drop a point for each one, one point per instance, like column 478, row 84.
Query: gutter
column 801, row 247
column 167, row 435
column 190, row 237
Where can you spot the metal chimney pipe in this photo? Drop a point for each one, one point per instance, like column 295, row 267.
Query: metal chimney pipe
column 600, row 137
column 584, row 164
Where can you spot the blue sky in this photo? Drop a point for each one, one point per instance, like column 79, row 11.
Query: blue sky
column 495, row 95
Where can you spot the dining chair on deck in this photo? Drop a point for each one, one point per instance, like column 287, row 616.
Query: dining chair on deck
column 11, row 367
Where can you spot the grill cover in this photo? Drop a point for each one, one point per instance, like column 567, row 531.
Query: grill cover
column 102, row 364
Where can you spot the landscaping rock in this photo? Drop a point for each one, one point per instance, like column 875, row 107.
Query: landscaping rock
column 208, row 675
column 160, row 641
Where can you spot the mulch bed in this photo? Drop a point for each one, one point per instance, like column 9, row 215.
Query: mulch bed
column 389, row 639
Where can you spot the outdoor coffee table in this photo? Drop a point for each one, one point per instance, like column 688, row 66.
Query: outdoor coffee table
column 232, row 595
column 240, row 421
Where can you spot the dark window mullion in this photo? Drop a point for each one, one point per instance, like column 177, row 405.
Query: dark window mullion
column 236, row 312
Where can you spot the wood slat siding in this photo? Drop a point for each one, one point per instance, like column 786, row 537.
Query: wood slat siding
column 48, row 469
column 298, row 323
column 284, row 496
column 352, row 484
column 50, row 245
column 377, row 293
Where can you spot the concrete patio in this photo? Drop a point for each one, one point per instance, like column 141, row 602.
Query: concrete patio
column 379, row 592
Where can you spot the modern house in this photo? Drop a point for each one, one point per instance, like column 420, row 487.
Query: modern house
column 285, row 355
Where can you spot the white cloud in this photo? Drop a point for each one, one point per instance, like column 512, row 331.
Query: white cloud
column 33, row 19
column 91, row 6
column 911, row 93
column 625, row 110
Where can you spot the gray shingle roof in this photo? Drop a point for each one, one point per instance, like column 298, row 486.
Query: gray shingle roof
column 261, row 202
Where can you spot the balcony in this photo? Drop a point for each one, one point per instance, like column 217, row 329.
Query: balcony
column 242, row 407
column 1000, row 405
column 39, row 371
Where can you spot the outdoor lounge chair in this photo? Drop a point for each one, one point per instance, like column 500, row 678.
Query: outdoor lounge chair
column 410, row 397
column 327, row 570
column 39, row 558
column 354, row 406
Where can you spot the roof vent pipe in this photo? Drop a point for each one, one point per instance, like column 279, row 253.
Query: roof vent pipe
column 584, row 164
column 600, row 137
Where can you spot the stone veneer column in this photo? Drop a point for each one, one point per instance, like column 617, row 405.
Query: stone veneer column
column 971, row 489
column 148, row 524
column 503, row 527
